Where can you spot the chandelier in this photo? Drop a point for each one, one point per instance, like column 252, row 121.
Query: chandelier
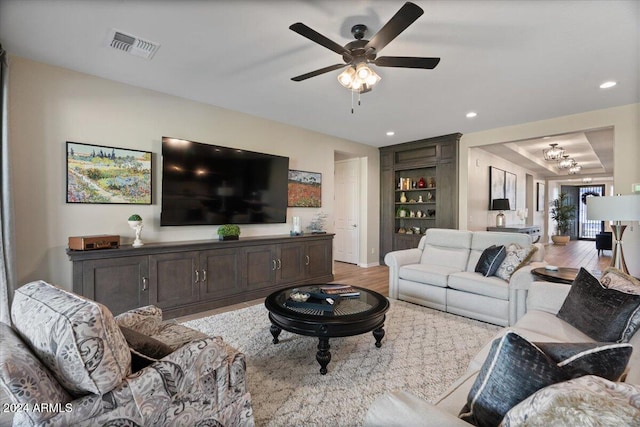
column 359, row 78
column 554, row 153
column 575, row 168
column 565, row 162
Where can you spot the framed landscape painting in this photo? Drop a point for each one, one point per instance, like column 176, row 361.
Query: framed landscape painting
column 101, row 174
column 305, row 189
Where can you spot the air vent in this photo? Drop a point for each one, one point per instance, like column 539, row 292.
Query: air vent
column 131, row 44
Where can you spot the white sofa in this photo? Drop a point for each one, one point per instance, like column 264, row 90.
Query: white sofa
column 539, row 324
column 440, row 273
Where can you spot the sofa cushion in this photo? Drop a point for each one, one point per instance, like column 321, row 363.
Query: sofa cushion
column 449, row 248
column 475, row 283
column 603, row 314
column 25, row 379
column 516, row 258
column 585, row 401
column 77, row 339
column 490, row 260
column 435, row 275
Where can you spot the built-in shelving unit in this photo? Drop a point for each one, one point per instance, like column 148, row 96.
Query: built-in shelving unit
column 424, row 173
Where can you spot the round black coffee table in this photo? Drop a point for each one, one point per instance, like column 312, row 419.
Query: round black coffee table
column 350, row 316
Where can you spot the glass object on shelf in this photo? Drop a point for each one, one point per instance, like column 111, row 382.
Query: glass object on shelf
column 431, row 182
column 403, row 197
column 422, row 183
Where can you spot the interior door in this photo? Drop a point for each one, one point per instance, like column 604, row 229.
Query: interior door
column 573, row 196
column 347, row 208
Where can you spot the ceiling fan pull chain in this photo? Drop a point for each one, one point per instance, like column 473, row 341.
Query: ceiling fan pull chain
column 351, row 102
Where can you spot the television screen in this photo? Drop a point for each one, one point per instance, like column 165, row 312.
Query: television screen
column 205, row 184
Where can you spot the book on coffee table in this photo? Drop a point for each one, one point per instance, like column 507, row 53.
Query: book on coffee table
column 341, row 290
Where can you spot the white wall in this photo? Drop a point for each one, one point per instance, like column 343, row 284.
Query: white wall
column 626, row 128
column 49, row 106
column 478, row 214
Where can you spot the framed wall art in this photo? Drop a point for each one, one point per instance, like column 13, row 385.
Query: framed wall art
column 111, row 175
column 502, row 185
column 496, row 184
column 305, row 189
column 540, row 197
column 510, row 186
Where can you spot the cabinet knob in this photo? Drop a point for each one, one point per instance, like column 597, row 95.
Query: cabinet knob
column 197, row 276
column 306, row 260
column 145, row 283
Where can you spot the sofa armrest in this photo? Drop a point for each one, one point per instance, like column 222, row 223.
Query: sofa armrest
column 146, row 320
column 397, row 259
column 400, row 408
column 547, row 296
column 519, row 285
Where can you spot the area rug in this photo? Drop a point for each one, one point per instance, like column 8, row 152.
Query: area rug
column 423, row 352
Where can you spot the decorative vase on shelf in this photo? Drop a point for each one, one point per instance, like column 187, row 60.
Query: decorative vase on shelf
column 421, row 183
column 403, row 198
column 135, row 222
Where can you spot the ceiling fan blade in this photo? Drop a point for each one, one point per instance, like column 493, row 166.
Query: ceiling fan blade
column 318, row 72
column 406, row 16
column 407, row 62
column 315, row 36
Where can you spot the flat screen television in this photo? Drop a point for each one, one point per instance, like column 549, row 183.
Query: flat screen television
column 206, row 184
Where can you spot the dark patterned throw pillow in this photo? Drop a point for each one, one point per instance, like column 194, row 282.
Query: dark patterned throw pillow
column 490, row 260
column 601, row 313
column 516, row 368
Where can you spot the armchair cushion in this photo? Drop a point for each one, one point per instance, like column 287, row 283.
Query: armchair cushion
column 23, row 377
column 75, row 338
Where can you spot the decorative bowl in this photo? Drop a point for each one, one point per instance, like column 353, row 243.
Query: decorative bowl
column 299, row 296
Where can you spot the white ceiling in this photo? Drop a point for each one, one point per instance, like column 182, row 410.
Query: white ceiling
column 510, row 61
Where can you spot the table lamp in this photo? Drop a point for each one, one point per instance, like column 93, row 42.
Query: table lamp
column 615, row 208
column 500, row 205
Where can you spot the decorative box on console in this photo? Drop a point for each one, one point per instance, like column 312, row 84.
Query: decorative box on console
column 87, row 243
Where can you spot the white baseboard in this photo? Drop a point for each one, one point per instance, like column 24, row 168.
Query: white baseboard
column 372, row 264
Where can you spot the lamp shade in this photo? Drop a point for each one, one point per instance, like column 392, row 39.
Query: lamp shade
column 614, row 208
column 500, row 205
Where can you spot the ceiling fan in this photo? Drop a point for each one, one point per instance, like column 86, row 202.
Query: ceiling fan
column 358, row 77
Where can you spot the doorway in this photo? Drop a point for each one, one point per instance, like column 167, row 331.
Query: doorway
column 347, row 210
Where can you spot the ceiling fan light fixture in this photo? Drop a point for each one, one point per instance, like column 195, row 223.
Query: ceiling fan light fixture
column 363, row 72
column 346, row 77
column 554, row 153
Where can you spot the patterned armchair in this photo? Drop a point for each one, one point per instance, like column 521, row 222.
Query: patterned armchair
column 66, row 362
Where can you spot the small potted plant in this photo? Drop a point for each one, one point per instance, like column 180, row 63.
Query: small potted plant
column 228, row 232
column 402, row 212
column 135, row 222
column 562, row 212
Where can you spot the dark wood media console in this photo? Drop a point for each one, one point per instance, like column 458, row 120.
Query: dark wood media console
column 187, row 277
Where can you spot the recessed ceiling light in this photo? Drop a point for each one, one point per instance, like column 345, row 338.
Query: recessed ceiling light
column 471, row 114
column 607, row 85
column 391, row 133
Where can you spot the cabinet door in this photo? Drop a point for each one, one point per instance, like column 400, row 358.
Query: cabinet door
column 220, row 273
column 290, row 262
column 173, row 279
column 260, row 264
column 319, row 258
column 118, row 283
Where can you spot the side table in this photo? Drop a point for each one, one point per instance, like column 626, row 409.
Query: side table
column 564, row 275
